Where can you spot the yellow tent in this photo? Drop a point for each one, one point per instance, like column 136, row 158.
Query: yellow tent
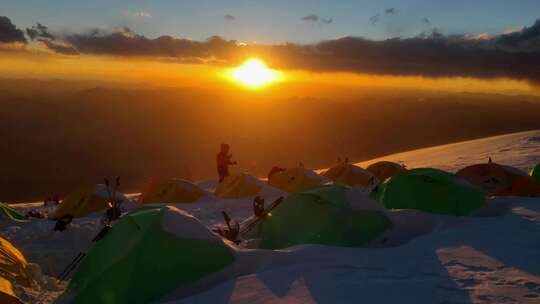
column 238, row 185
column 350, row 175
column 385, row 169
column 86, row 200
column 296, row 180
column 12, row 268
column 171, row 191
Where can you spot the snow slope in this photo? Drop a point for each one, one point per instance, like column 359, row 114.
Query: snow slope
column 491, row 257
column 521, row 150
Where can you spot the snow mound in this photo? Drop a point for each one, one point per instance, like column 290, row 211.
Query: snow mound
column 359, row 200
column 183, row 225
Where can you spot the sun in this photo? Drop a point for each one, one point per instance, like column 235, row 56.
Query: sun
column 254, row 74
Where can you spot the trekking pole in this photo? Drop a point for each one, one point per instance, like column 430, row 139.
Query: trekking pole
column 77, row 260
column 107, row 185
column 232, row 233
column 264, row 214
column 69, row 265
column 227, row 219
column 115, row 189
column 72, row 267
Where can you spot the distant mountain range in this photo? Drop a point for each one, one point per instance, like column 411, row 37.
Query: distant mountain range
column 59, row 134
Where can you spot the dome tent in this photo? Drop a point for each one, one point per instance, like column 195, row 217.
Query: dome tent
column 12, row 268
column 429, row 190
column 296, row 179
column 319, row 216
column 238, row 185
column 171, row 191
column 499, row 180
column 385, row 169
column 86, row 200
column 350, row 175
column 147, row 254
column 535, row 173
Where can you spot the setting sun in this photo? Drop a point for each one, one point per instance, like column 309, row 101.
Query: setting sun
column 254, row 73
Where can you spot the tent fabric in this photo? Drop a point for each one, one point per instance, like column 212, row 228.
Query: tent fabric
column 13, row 268
column 171, row 191
column 350, row 175
column 385, row 169
column 429, row 190
column 535, row 174
column 6, row 212
column 296, row 180
column 238, row 185
column 7, row 295
column 320, row 216
column 499, row 180
column 13, row 263
column 86, row 200
column 145, row 252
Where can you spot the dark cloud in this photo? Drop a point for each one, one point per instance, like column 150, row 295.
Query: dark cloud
column 315, row 18
column 374, row 19
column 311, row 18
column 229, row 17
column 433, row 55
column 124, row 42
column 525, row 40
column 327, row 20
column 59, row 47
column 9, row 33
column 391, row 11
column 39, row 31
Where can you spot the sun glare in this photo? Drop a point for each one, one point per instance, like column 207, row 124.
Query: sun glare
column 254, row 74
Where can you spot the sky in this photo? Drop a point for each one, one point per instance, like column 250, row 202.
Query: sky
column 481, row 44
column 278, row 20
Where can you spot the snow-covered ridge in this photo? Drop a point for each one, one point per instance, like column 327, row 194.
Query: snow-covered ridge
column 520, row 150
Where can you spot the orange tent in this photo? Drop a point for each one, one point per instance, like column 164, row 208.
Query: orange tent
column 499, row 180
column 12, row 268
column 384, row 169
column 7, row 295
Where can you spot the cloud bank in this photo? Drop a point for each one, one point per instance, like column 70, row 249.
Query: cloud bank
column 514, row 54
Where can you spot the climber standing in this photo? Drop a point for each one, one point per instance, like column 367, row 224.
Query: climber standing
column 224, row 161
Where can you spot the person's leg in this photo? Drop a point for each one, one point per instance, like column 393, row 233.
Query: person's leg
column 222, row 172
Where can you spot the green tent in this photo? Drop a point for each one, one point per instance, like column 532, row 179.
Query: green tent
column 429, row 190
column 320, row 216
column 536, row 174
column 6, row 212
column 148, row 253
